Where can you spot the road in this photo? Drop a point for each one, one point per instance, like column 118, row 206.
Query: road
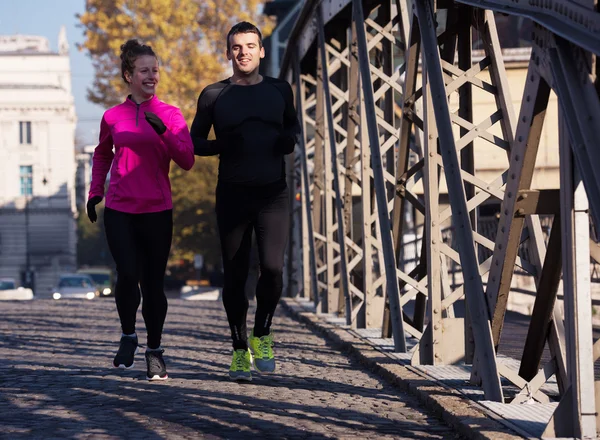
column 56, row 382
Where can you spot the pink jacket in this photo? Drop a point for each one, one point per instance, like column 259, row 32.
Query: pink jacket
column 139, row 175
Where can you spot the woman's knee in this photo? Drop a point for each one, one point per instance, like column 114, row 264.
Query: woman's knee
column 127, row 276
column 155, row 299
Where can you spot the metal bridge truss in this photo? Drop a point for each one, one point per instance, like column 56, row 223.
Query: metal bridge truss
column 384, row 92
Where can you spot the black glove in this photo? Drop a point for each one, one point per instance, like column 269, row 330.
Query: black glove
column 155, row 122
column 285, row 144
column 229, row 142
column 91, row 208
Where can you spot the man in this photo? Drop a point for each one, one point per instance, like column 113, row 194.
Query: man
column 255, row 125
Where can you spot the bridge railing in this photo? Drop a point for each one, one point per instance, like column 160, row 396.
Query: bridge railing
column 385, row 93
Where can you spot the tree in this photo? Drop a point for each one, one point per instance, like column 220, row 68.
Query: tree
column 187, row 35
column 189, row 38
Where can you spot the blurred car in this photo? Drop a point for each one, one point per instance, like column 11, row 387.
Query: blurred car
column 10, row 291
column 75, row 286
column 102, row 278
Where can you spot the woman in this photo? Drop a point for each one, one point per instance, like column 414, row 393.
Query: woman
column 146, row 133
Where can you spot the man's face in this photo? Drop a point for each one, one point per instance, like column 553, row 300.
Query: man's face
column 245, row 53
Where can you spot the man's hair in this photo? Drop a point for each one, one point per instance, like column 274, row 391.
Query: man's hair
column 244, row 27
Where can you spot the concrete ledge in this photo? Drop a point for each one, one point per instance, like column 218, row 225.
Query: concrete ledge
column 20, row 294
column 466, row 416
column 200, row 293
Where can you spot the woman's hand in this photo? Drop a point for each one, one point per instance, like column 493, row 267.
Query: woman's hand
column 91, row 208
column 155, row 122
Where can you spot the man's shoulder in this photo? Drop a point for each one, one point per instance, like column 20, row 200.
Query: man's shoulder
column 280, row 84
column 215, row 87
column 276, row 81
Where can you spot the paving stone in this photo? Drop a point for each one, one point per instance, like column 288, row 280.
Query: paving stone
column 56, row 382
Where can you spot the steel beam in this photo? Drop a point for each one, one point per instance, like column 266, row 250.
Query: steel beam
column 380, row 191
column 309, row 237
column 567, row 18
column 473, row 284
column 343, row 275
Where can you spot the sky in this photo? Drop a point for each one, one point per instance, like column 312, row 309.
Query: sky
column 16, row 17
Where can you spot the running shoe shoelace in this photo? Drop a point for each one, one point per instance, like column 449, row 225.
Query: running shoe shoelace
column 156, row 363
column 264, row 347
column 127, row 346
column 240, row 361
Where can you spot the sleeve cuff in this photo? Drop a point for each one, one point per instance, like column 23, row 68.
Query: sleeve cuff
column 168, row 136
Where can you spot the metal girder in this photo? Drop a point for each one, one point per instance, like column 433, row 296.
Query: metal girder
column 473, row 284
column 404, row 198
column 509, row 237
column 523, row 156
column 467, row 155
column 576, row 280
column 582, row 115
column 331, row 105
column 380, row 192
column 308, row 243
column 306, row 28
column 318, row 194
column 567, row 18
column 381, row 25
column 544, row 305
column 346, row 104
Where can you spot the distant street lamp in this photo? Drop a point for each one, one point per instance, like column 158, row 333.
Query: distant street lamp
column 28, row 278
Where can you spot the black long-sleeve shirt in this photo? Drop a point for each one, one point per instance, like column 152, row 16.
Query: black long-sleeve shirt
column 258, row 117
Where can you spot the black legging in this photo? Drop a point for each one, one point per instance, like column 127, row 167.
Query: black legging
column 140, row 245
column 239, row 211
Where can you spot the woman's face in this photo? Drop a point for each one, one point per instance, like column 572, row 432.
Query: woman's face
column 145, row 76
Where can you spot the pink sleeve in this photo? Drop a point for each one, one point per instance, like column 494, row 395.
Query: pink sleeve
column 102, row 160
column 178, row 140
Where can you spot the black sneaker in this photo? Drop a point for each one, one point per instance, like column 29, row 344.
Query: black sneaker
column 128, row 348
column 156, row 365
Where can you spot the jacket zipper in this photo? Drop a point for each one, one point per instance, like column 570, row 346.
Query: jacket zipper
column 137, row 113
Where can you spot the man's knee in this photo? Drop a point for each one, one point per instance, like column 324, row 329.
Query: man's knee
column 271, row 272
column 235, row 276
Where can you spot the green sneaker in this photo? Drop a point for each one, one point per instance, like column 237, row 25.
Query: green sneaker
column 262, row 351
column 240, row 365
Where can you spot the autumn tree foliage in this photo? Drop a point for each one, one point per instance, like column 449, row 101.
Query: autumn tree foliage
column 189, row 38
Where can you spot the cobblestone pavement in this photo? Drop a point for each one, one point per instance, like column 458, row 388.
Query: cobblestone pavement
column 56, row 382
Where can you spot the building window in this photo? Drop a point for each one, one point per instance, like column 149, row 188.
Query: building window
column 25, row 132
column 26, row 175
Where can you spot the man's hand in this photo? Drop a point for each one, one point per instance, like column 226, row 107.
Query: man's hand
column 155, row 122
column 91, row 208
column 285, row 144
column 230, row 142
